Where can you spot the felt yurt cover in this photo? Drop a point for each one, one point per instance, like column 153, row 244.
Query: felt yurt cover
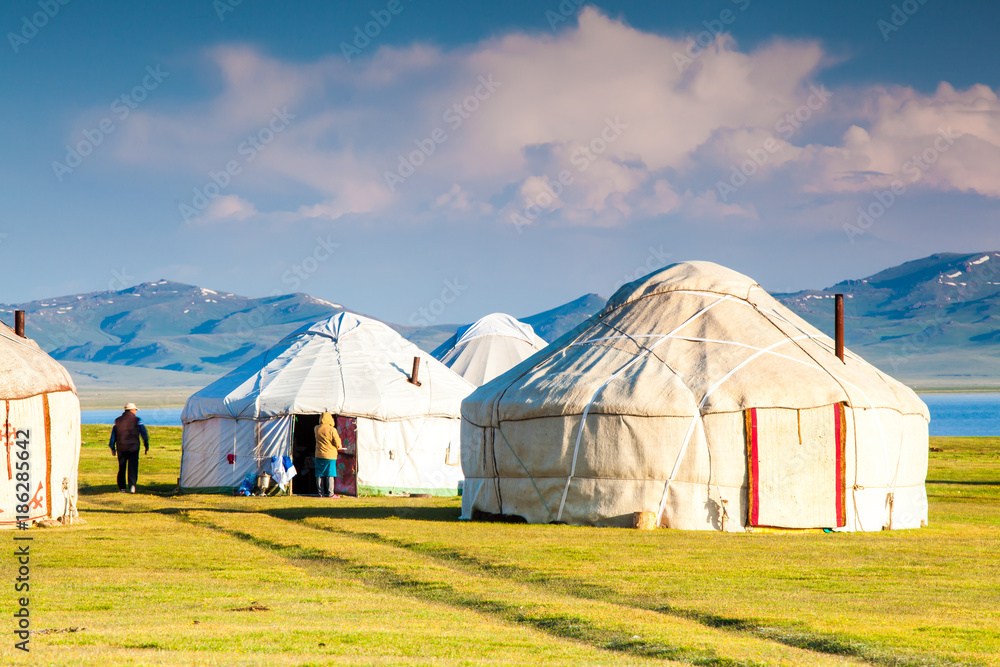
column 348, row 365
column 697, row 396
column 492, row 345
column 40, row 438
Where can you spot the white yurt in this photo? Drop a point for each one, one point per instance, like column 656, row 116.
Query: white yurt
column 697, row 396
column 492, row 345
column 41, row 433
column 398, row 436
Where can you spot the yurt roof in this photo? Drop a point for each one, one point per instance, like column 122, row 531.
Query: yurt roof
column 25, row 370
column 494, row 324
column 692, row 337
column 348, row 364
column 493, row 344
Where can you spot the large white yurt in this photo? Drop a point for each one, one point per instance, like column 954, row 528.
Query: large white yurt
column 492, row 345
column 398, row 436
column 40, row 439
column 697, row 396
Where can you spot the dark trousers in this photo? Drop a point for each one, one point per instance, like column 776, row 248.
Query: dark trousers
column 324, row 486
column 129, row 460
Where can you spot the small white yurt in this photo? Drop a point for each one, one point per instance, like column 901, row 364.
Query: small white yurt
column 40, row 436
column 697, row 396
column 493, row 345
column 398, row 436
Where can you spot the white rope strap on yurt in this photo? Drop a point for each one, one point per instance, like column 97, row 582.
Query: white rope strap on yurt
column 623, row 336
column 695, row 417
column 258, row 387
column 21, row 342
column 618, row 373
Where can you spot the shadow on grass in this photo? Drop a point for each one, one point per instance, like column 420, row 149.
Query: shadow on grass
column 950, row 481
column 800, row 636
column 162, row 511
column 102, row 508
column 141, row 489
column 797, row 636
column 445, row 514
column 567, row 627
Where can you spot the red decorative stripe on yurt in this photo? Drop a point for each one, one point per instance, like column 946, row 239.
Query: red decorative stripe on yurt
column 754, row 491
column 841, row 472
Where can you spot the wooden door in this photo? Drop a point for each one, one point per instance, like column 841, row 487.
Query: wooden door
column 796, row 469
column 347, row 459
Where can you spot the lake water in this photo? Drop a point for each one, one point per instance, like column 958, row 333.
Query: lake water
column 951, row 414
column 150, row 417
column 964, row 414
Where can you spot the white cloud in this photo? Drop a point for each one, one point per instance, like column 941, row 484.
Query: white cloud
column 226, row 208
column 458, row 200
column 487, row 129
column 946, row 141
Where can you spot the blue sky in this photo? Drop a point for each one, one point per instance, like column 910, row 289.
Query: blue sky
column 799, row 143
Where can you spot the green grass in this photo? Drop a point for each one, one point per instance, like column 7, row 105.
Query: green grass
column 154, row 578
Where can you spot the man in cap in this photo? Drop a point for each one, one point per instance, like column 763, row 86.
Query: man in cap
column 125, row 436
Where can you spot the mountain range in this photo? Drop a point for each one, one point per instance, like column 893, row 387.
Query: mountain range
column 172, row 326
column 932, row 322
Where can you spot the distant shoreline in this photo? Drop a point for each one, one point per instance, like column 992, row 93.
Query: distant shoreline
column 144, row 397
column 176, row 397
column 956, row 390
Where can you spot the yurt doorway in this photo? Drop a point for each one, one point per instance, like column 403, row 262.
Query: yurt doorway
column 303, row 451
column 796, row 469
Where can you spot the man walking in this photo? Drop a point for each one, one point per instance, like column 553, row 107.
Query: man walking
column 125, row 436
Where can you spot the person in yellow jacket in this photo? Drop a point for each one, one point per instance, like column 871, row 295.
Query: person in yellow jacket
column 327, row 445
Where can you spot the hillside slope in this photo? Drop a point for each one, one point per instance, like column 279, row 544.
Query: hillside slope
column 932, row 322
column 166, row 325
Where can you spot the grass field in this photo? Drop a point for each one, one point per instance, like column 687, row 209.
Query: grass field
column 157, row 578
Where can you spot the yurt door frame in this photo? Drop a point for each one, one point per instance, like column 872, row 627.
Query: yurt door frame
column 796, row 467
column 303, row 451
column 346, row 483
column 303, row 447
